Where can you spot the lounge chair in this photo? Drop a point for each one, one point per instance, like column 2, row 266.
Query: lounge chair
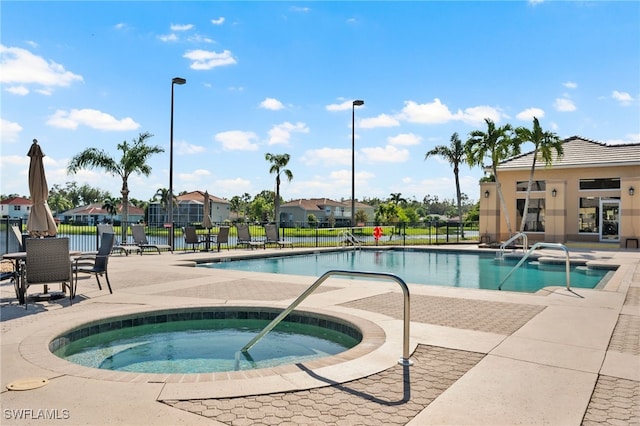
column 140, row 239
column 95, row 264
column 47, row 262
column 117, row 245
column 272, row 237
column 244, row 237
column 192, row 238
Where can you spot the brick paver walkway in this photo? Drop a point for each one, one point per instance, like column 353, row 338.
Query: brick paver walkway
column 478, row 315
column 391, row 397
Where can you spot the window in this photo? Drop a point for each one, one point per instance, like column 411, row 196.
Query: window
column 588, row 217
column 534, row 219
column 536, row 185
column 16, row 208
column 607, row 183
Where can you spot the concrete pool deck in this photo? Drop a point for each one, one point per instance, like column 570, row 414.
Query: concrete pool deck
column 480, row 357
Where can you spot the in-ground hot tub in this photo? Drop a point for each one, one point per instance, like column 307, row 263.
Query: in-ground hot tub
column 204, row 339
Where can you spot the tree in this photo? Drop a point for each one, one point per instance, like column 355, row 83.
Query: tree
column 59, row 203
column 278, row 162
column 544, row 143
column 454, row 154
column 497, row 144
column 163, row 195
column 396, row 198
column 111, row 206
column 134, row 160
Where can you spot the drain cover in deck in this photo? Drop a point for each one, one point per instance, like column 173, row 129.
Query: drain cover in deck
column 27, row 384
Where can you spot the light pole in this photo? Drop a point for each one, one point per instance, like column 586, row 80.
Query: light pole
column 174, row 81
column 353, row 160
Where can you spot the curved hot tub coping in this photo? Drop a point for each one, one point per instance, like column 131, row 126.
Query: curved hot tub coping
column 373, row 354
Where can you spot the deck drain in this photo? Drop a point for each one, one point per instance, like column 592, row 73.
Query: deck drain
column 27, row 384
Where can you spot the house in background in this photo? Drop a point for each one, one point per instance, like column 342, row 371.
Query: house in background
column 94, row 213
column 590, row 194
column 15, row 208
column 325, row 210
column 190, row 210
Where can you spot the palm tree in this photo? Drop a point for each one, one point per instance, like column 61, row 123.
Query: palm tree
column 134, row 160
column 454, row 154
column 163, row 195
column 111, row 206
column 396, row 198
column 59, row 203
column 497, row 144
column 544, row 144
column 278, row 162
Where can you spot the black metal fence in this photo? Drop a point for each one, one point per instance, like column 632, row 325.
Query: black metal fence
column 85, row 237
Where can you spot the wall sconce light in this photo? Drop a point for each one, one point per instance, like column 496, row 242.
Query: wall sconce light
column 486, row 194
column 631, row 191
column 554, row 192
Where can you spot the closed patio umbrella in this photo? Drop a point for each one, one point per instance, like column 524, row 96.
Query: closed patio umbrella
column 40, row 222
column 206, row 219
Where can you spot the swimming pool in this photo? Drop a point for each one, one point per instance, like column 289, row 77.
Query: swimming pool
column 434, row 267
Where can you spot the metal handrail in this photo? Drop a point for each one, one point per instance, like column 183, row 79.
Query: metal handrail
column 380, row 275
column 525, row 242
column 546, row 245
column 347, row 236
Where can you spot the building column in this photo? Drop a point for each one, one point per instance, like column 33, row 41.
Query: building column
column 629, row 227
column 489, row 213
column 555, row 211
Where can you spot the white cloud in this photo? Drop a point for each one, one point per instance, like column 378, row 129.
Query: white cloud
column 206, row 60
column 181, row 27
column 326, row 157
column 120, row 26
column 168, row 37
column 405, row 139
column 9, row 130
column 383, row 120
column 630, row 138
column 197, row 38
column 18, row 90
column 195, row 175
column 529, row 113
column 187, row 148
column 271, row 104
column 300, row 9
column 570, row 85
column 343, row 106
column 91, row 118
column 21, row 67
column 564, row 105
column 230, row 187
column 388, row 154
column 476, row 115
column 218, row 21
column 237, row 140
column 623, row 97
column 431, row 113
column 281, row 133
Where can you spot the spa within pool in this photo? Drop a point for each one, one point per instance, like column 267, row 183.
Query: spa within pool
column 436, row 267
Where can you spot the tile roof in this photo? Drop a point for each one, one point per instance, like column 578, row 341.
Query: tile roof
column 581, row 152
column 199, row 197
column 96, row 209
column 15, row 201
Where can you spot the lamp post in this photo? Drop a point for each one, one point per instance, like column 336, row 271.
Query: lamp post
column 353, row 160
column 174, row 81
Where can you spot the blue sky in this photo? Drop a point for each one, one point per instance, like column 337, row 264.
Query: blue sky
column 280, row 77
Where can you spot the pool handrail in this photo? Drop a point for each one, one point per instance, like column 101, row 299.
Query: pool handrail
column 347, row 237
column 525, row 243
column 379, row 275
column 545, row 245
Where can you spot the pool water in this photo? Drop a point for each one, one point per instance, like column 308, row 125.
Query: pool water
column 436, row 267
column 199, row 346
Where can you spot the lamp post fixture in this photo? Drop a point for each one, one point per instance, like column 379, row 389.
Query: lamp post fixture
column 174, row 81
column 353, row 160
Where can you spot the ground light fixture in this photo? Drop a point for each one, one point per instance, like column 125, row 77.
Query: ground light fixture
column 355, row 103
column 174, row 81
